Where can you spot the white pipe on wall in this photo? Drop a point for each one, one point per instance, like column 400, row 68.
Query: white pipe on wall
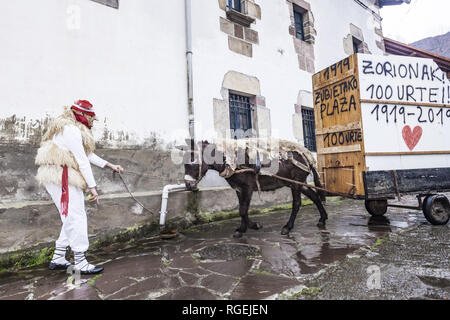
column 164, row 200
column 191, row 118
column 190, row 81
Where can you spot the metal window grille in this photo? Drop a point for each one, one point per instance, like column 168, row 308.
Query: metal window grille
column 309, row 129
column 298, row 18
column 240, row 115
column 234, row 4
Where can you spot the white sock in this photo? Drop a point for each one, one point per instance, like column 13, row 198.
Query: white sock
column 59, row 256
column 81, row 263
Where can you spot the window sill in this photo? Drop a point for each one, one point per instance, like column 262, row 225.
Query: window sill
column 305, row 42
column 239, row 18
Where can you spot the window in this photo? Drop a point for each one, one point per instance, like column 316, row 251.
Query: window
column 234, row 4
column 240, row 116
column 298, row 17
column 237, row 12
column 309, row 129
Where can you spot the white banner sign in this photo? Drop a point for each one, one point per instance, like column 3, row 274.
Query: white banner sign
column 405, row 128
column 402, row 79
column 405, row 112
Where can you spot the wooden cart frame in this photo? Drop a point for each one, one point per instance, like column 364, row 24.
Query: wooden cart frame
column 341, row 150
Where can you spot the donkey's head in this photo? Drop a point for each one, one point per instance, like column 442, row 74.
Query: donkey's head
column 195, row 167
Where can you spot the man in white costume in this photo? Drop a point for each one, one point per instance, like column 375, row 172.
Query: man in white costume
column 64, row 159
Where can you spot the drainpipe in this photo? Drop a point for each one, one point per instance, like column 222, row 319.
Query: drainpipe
column 164, row 200
column 191, row 118
column 190, row 83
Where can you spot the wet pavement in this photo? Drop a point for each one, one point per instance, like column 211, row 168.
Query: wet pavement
column 205, row 262
column 413, row 264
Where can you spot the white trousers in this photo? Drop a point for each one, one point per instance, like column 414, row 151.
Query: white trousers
column 74, row 231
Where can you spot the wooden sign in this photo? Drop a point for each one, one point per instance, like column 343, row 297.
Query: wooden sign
column 380, row 113
column 339, row 136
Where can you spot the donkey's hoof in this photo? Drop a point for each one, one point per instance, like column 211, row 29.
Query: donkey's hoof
column 285, row 231
column 321, row 224
column 256, row 226
column 237, row 234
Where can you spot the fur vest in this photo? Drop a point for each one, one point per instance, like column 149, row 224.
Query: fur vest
column 50, row 158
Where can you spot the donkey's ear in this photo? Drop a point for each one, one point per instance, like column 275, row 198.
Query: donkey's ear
column 181, row 147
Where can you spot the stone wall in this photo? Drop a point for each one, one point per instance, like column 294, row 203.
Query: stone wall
column 28, row 217
column 137, row 81
column 303, row 48
column 238, row 27
column 250, row 86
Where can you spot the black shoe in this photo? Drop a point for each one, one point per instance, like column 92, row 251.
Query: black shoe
column 93, row 271
column 56, row 266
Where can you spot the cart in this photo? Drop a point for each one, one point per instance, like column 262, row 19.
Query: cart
column 383, row 130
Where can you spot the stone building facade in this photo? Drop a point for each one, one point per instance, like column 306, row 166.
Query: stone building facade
column 252, row 60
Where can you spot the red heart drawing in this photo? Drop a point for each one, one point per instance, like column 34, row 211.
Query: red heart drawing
column 411, row 137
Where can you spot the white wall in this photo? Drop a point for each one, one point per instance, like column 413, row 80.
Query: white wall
column 333, row 20
column 278, row 74
column 131, row 62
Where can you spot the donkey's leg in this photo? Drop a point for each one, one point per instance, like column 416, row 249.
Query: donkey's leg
column 254, row 225
column 244, row 196
column 316, row 199
column 296, row 203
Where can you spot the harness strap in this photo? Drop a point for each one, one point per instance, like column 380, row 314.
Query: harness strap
column 258, row 185
column 129, row 192
column 349, row 196
column 228, row 172
column 200, row 164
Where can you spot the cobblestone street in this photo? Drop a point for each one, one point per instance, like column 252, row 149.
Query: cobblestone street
column 206, row 263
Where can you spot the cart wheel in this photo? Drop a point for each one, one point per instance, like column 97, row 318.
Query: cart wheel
column 436, row 209
column 424, row 200
column 376, row 207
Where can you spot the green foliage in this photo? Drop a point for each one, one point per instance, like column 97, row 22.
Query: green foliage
column 313, row 291
column 260, row 271
column 92, row 281
column 32, row 259
column 379, row 242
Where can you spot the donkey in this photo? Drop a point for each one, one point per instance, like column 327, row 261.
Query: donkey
column 246, row 183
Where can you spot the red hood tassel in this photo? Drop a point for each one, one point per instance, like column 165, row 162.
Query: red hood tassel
column 65, row 191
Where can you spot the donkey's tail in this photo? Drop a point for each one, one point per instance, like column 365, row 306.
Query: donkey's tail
column 317, row 182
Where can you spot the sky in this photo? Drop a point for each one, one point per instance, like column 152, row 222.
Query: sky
column 420, row 19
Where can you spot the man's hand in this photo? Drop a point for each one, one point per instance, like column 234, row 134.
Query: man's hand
column 93, row 195
column 115, row 167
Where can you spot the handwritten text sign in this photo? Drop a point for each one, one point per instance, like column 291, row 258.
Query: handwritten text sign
column 336, row 94
column 402, row 79
column 342, row 138
column 405, row 128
